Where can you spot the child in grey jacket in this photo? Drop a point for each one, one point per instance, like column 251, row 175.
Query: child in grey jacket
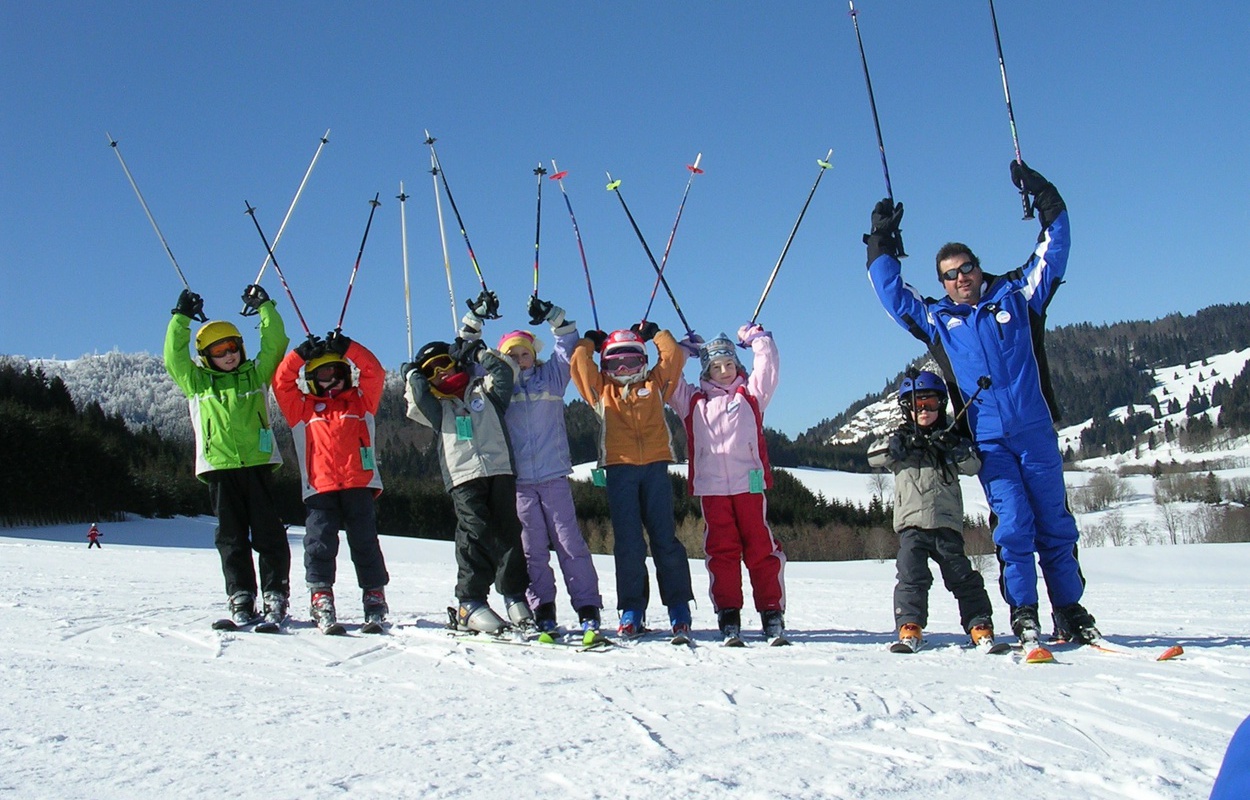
column 927, row 458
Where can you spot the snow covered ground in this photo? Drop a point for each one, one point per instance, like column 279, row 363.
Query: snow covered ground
column 115, row 687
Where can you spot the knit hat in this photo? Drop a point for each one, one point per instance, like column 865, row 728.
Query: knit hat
column 720, row 347
column 522, row 338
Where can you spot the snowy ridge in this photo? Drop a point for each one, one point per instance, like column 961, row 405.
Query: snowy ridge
column 116, row 687
column 1171, row 382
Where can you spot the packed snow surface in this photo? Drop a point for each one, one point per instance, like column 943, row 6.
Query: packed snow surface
column 114, row 686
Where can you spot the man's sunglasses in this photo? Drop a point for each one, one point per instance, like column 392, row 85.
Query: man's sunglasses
column 223, row 348
column 962, row 269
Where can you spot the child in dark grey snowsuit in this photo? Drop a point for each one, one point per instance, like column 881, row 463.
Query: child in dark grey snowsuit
column 926, row 460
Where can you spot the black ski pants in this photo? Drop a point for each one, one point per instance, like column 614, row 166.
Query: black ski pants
column 911, row 593
column 353, row 511
column 248, row 520
column 488, row 539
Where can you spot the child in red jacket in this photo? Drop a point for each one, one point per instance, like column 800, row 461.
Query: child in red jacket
column 332, row 422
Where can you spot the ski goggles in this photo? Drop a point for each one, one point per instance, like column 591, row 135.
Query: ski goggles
column 435, row 368
column 624, row 363
column 223, row 348
column 328, row 373
column 962, row 269
column 924, row 402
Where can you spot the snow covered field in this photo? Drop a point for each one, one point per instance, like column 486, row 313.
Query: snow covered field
column 115, row 687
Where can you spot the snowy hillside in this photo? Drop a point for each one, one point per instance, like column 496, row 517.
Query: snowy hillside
column 1173, row 382
column 115, row 687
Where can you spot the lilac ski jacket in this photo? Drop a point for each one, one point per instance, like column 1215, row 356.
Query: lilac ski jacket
column 540, row 443
column 725, row 425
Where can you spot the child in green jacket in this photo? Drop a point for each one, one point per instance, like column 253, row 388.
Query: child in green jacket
column 235, row 451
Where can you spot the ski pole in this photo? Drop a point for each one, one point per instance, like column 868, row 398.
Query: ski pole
column 872, row 102
column 559, row 178
column 373, row 206
column 983, row 382
column 1011, row 117
column 142, row 202
column 538, row 221
column 403, row 233
column 824, row 165
column 251, row 212
column 442, row 235
column 447, row 188
column 246, row 311
column 615, row 186
column 694, row 170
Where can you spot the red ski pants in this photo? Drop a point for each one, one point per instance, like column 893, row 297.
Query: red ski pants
column 735, row 532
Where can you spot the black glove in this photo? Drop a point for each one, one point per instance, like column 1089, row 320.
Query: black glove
column 917, row 441
column 898, row 446
column 597, row 338
column 539, row 309
column 310, row 348
column 945, row 440
column 485, row 306
column 407, row 367
column 646, row 329
column 1046, row 199
column 336, row 342
column 465, row 351
column 190, row 305
column 885, row 238
column 254, row 296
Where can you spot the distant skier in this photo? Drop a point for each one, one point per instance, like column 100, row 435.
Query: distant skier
column 992, row 326
column 540, row 449
column 466, row 412
column 636, row 449
column 234, row 446
column 927, row 460
column 333, row 427
column 93, row 537
column 728, row 471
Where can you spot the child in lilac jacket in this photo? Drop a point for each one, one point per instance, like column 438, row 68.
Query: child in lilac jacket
column 540, row 446
column 729, row 471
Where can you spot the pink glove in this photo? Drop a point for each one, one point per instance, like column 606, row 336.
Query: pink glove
column 750, row 332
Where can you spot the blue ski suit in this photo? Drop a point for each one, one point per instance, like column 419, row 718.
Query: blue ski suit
column 1011, row 420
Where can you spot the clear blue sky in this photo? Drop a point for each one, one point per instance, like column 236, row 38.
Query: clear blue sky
column 1137, row 112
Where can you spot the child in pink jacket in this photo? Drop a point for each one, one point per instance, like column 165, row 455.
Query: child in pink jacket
column 729, row 471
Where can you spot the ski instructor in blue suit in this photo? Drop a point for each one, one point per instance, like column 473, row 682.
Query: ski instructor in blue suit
column 991, row 326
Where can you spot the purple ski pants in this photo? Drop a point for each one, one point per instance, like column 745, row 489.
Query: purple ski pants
column 548, row 521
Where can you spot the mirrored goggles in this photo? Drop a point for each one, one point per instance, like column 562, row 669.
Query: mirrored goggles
column 924, row 402
column 223, row 348
column 962, row 269
column 328, row 373
column 625, row 363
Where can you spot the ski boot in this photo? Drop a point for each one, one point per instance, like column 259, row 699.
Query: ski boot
column 545, row 622
column 589, row 618
column 519, row 612
column 982, row 634
column 476, row 615
column 633, row 624
column 774, row 623
column 1028, row 630
column 729, row 620
column 275, row 613
column 321, row 608
column 374, row 601
column 1074, row 624
column 910, row 638
column 242, row 609
column 679, row 618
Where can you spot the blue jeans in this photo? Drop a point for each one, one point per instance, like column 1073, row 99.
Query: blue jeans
column 638, row 497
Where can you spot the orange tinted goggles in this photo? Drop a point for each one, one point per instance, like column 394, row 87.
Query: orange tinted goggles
column 223, row 348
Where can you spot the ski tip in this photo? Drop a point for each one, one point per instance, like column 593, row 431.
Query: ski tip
column 1170, row 653
column 558, row 175
column 1038, row 655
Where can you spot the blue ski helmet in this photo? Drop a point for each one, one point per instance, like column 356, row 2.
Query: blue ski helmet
column 926, row 381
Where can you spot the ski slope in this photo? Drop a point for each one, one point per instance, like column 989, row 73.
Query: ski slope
column 115, row 687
